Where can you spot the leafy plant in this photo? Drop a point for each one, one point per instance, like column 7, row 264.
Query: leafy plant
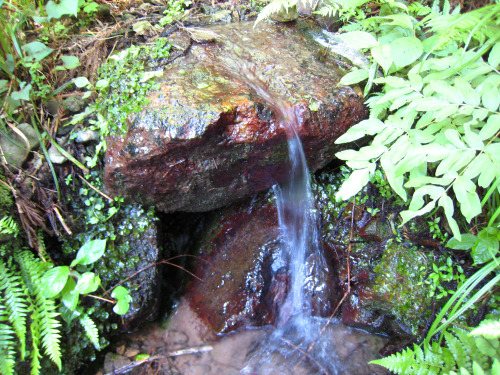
column 435, row 122
column 174, row 10
column 29, row 293
column 475, row 352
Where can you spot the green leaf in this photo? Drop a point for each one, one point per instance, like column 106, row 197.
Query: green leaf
column 487, row 328
column 90, row 252
column 491, row 127
column 402, row 20
column 87, row 283
column 447, row 203
column 23, row 94
column 36, row 50
column 64, row 7
column 354, row 76
column 468, row 240
column 69, row 296
column 146, row 76
column 491, row 97
column 471, row 96
column 486, row 246
column 382, row 55
column 54, row 280
column 409, row 214
column 465, row 191
column 70, row 62
column 359, row 39
column 81, row 82
column 406, row 50
column 123, row 300
column 450, row 93
column 453, row 136
column 356, row 181
column 365, row 127
column 433, row 191
column 494, row 57
column 473, row 139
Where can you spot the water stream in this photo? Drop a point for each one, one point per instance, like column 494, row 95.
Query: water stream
column 298, row 330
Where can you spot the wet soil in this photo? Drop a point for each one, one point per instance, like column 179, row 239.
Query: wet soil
column 185, row 333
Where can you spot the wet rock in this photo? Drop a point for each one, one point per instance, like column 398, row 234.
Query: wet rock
column 244, row 273
column 55, row 156
column 388, row 293
column 17, row 152
column 113, row 362
column 206, row 140
column 74, row 104
column 88, row 135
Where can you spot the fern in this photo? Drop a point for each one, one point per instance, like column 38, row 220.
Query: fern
column 463, row 354
column 7, row 344
column 276, row 6
column 15, row 304
column 43, row 315
column 90, row 330
column 488, row 328
column 8, row 226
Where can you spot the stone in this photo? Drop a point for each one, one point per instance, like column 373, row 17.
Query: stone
column 113, row 362
column 55, row 156
column 16, row 150
column 243, row 271
column 206, row 140
column 74, row 104
column 84, row 136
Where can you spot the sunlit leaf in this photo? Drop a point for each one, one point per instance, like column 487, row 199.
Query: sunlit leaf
column 54, row 280
column 356, row 181
column 62, row 8
column 406, row 50
column 90, row 252
column 36, row 50
column 359, row 39
column 354, row 76
column 465, row 191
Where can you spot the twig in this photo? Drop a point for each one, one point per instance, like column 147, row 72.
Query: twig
column 97, row 190
column 193, row 350
column 61, row 220
column 306, row 354
column 166, row 261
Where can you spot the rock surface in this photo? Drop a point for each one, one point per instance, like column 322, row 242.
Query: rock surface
column 206, row 139
column 244, row 272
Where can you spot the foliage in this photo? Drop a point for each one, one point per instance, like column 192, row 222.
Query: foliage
column 276, row 6
column 464, row 353
column 30, row 291
column 174, row 10
column 435, row 122
column 447, row 273
column 124, row 81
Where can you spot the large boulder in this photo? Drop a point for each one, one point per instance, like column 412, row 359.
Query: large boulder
column 206, row 139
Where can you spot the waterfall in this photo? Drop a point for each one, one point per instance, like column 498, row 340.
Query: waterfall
column 298, row 334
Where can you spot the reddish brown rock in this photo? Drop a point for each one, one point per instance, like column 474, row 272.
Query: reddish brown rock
column 244, row 273
column 206, row 139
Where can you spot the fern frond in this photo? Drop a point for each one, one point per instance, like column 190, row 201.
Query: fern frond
column 50, row 331
column 35, row 344
column 44, row 326
column 276, row 6
column 90, row 330
column 462, row 354
column 7, row 344
column 488, row 328
column 15, row 304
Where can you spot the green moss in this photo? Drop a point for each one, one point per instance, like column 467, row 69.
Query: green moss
column 399, row 285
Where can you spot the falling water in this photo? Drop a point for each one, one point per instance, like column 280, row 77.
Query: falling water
column 299, row 332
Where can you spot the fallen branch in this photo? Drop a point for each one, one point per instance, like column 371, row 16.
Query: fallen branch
column 193, row 350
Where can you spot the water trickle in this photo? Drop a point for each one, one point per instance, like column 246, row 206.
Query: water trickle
column 299, row 333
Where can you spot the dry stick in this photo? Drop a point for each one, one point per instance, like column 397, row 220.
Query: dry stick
column 97, row 190
column 66, row 228
column 193, row 350
column 166, row 261
column 306, row 354
column 351, row 238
